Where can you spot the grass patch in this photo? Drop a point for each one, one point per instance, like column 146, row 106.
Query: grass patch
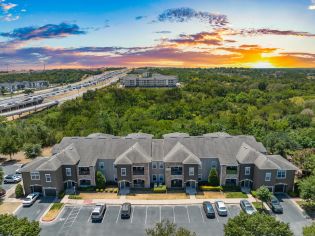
column 158, row 196
column 53, row 212
column 308, row 207
column 235, row 195
column 210, row 188
column 76, row 197
column 259, row 208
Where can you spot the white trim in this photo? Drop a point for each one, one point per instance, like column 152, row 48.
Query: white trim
column 247, row 170
column 161, row 162
column 36, row 174
column 283, row 171
column 49, row 177
column 268, row 179
column 191, row 171
column 154, row 163
column 121, row 171
column 67, row 173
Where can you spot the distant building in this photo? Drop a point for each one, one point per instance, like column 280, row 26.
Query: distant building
column 15, row 86
column 149, row 80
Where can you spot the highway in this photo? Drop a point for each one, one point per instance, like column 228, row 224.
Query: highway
column 24, row 105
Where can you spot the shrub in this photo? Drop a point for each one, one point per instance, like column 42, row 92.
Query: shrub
column 211, row 188
column 32, row 150
column 97, row 190
column 116, row 190
column 160, row 189
column 87, row 189
column 101, row 190
column 100, row 180
column 72, row 196
column 19, row 191
column 61, row 194
column 56, row 206
column 293, row 194
column 254, row 193
column 213, row 178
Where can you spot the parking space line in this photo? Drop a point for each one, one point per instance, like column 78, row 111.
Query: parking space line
column 160, row 215
column 203, row 219
column 146, row 215
column 228, row 211
column 105, row 214
column 118, row 214
column 187, row 214
column 90, row 217
column 132, row 211
column 174, row 215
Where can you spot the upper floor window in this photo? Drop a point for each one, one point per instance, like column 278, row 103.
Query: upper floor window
column 232, row 170
column 191, row 171
column 268, row 176
column 101, row 165
column 176, row 170
column 84, row 170
column 68, row 171
column 48, row 178
column 247, row 170
column 123, row 171
column 154, row 165
column 35, row 176
column 138, row 170
column 281, row 174
column 161, row 165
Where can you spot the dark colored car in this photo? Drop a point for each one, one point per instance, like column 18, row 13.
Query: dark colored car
column 125, row 211
column 275, row 205
column 98, row 212
column 209, row 210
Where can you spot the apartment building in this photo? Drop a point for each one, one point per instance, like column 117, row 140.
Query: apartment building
column 176, row 160
column 15, row 86
column 149, row 80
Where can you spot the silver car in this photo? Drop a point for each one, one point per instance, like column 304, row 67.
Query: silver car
column 247, row 207
column 221, row 208
column 98, row 212
column 30, row 199
column 11, row 179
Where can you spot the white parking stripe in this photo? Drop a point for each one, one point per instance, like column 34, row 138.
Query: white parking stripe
column 160, row 215
column 90, row 217
column 229, row 213
column 187, row 214
column 146, row 215
column 174, row 215
column 203, row 219
column 118, row 214
column 132, row 210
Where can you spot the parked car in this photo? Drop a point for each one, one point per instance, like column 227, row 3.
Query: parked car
column 209, row 210
column 11, row 179
column 275, row 205
column 30, row 199
column 18, row 171
column 247, row 207
column 125, row 210
column 221, row 208
column 98, row 212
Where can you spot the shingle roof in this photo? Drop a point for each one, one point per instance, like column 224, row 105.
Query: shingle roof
column 134, row 154
column 34, row 164
column 180, row 154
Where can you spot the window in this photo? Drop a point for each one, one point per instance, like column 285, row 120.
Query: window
column 247, row 170
column 123, row 171
column 35, row 176
column 161, row 178
column 231, row 170
column 213, row 164
column 84, row 170
column 48, row 178
column 154, row 178
column 154, row 165
column 176, row 170
column 138, row 170
column 68, row 171
column 281, row 174
column 161, row 165
column 191, row 171
column 101, row 165
column 268, row 176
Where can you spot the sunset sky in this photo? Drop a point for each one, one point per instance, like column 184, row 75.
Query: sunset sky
column 191, row 33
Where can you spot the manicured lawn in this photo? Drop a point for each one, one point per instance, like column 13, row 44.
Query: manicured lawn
column 210, row 194
column 99, row 195
column 235, row 195
column 53, row 212
column 157, row 196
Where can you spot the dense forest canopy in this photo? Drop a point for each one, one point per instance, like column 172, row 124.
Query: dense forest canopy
column 52, row 76
column 279, row 111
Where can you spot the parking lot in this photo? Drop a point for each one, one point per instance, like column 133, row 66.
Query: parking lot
column 75, row 220
column 8, row 170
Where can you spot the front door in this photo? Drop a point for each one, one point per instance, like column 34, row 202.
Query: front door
column 176, row 183
column 70, row 184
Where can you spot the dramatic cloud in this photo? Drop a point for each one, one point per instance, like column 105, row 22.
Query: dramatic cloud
column 5, row 14
column 312, row 6
column 266, row 31
column 185, row 14
column 206, row 38
column 43, row 32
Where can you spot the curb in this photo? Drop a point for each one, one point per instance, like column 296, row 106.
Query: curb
column 55, row 219
column 17, row 209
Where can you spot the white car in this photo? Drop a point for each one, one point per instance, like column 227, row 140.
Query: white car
column 11, row 179
column 30, row 199
column 221, row 208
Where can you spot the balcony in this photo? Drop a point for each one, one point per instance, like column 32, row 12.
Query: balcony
column 176, row 170
column 84, row 171
column 231, row 170
column 138, row 170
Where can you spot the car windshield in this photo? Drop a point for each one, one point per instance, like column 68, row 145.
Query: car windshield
column 28, row 198
column 250, row 208
column 222, row 208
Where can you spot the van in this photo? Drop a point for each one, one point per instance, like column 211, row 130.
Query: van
column 98, row 212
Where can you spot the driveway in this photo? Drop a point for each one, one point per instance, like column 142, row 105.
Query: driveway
column 75, row 220
column 35, row 211
column 8, row 170
column 292, row 215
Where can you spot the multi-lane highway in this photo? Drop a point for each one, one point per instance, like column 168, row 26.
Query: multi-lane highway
column 19, row 105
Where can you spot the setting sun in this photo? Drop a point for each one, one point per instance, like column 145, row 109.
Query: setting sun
column 262, row 64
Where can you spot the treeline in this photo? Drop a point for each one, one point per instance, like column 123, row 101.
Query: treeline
column 278, row 112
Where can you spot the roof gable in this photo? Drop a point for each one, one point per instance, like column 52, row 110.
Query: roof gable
column 134, row 154
column 180, row 154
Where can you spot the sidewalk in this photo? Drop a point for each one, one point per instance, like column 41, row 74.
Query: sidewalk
column 122, row 200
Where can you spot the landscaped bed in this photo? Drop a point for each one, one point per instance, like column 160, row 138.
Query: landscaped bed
column 53, row 212
column 235, row 195
column 98, row 195
column 309, row 208
column 259, row 208
column 157, row 196
column 210, row 194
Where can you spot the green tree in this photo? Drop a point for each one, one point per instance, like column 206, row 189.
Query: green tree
column 19, row 191
column 100, row 180
column 263, row 195
column 28, row 91
column 307, row 188
column 256, row 225
column 309, row 230
column 9, row 146
column 11, row 225
column 32, row 150
column 166, row 228
column 1, row 175
column 213, row 178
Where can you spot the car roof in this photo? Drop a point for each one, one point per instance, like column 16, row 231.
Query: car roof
column 220, row 204
column 125, row 206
